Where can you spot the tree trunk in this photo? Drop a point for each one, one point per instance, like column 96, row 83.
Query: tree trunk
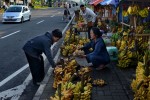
column 42, row 3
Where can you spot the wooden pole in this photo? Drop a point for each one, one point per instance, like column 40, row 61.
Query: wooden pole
column 122, row 18
column 134, row 21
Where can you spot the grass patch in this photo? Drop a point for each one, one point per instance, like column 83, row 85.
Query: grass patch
column 40, row 7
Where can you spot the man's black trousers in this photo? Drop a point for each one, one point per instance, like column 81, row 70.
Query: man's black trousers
column 36, row 67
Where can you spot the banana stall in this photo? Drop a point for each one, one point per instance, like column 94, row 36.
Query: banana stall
column 132, row 38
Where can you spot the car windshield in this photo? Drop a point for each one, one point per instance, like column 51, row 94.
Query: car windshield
column 14, row 9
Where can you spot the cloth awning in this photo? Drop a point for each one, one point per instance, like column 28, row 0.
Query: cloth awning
column 95, row 2
column 108, row 2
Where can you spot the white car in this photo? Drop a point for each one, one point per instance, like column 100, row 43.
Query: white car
column 16, row 13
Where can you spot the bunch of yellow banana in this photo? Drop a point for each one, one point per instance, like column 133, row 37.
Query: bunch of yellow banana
column 57, row 76
column 72, row 62
column 83, row 41
column 67, row 85
column 139, row 29
column 70, row 67
column 67, row 94
column 99, row 82
column 58, row 70
column 133, row 9
column 55, row 98
column 68, row 50
column 125, row 13
column 123, row 45
column 139, row 76
column 143, row 93
column 86, row 95
column 84, row 70
column 143, row 12
column 125, row 58
column 67, row 35
column 57, row 80
column 78, row 52
column 118, row 43
column 66, row 78
column 77, row 91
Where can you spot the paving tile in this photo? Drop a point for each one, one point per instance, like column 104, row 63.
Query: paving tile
column 116, row 97
column 105, row 98
column 124, row 97
column 100, row 92
column 117, row 91
column 46, row 94
column 106, row 93
column 131, row 97
column 106, row 87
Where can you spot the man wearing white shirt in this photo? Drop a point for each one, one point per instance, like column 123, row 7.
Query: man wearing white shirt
column 89, row 17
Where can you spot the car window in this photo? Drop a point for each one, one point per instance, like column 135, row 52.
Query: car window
column 14, row 9
column 25, row 9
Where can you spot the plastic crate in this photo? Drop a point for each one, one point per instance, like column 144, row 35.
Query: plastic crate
column 113, row 52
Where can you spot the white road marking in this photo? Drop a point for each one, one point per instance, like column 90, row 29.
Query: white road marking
column 13, row 75
column 52, row 15
column 10, row 34
column 15, row 92
column 40, row 22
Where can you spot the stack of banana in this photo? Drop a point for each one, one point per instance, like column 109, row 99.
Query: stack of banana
column 133, row 10
column 139, row 29
column 125, row 46
column 124, row 13
column 144, row 12
column 66, row 92
column 99, row 82
column 78, row 52
column 84, row 70
column 62, row 75
column 141, row 85
column 131, row 48
column 71, row 43
column 70, row 91
column 85, row 95
column 77, row 91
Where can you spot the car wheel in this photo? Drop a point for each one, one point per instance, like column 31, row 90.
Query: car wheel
column 22, row 20
column 29, row 18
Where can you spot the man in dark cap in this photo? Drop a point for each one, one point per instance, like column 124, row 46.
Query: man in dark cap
column 33, row 50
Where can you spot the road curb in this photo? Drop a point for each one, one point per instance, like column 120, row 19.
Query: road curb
column 41, row 88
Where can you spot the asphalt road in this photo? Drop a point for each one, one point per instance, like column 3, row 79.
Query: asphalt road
column 14, row 71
